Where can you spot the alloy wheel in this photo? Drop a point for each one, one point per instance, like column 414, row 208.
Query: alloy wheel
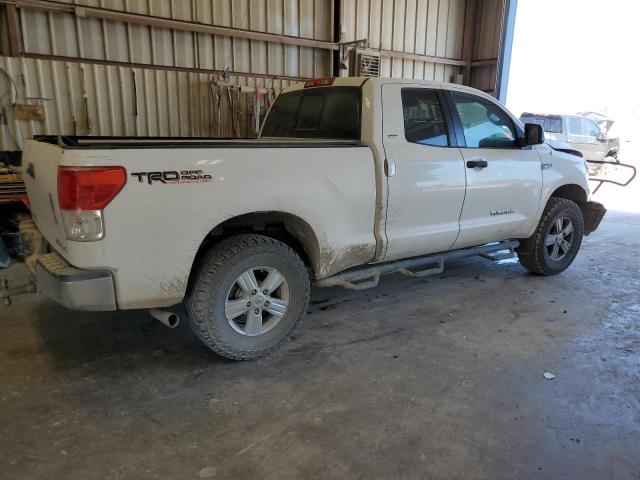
column 559, row 239
column 257, row 301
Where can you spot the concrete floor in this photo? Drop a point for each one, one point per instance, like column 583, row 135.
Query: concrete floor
column 439, row 378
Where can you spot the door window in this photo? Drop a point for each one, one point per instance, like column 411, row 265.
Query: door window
column 484, row 123
column 423, row 119
column 575, row 126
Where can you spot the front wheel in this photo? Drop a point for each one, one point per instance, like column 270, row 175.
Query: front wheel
column 249, row 294
column 556, row 241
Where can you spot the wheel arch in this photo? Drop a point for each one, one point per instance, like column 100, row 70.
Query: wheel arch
column 286, row 227
column 575, row 193
column 571, row 191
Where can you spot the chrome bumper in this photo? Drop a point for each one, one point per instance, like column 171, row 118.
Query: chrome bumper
column 72, row 287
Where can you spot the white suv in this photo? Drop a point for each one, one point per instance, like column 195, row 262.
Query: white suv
column 584, row 133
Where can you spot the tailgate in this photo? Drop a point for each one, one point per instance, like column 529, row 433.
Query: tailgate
column 40, row 166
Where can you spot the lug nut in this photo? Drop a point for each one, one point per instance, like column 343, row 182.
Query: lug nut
column 264, row 291
column 256, row 311
column 248, row 304
column 253, row 292
column 266, row 304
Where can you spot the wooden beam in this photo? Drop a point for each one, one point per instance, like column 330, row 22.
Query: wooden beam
column 468, row 38
column 13, row 30
column 484, row 63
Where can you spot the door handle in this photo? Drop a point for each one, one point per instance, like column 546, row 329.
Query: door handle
column 389, row 167
column 477, row 163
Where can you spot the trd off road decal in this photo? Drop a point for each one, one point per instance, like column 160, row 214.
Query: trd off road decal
column 173, row 176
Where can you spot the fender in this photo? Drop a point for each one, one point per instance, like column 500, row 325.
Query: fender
column 562, row 171
column 564, row 147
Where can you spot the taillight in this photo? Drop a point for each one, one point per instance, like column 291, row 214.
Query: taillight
column 89, row 188
column 319, row 82
column 83, row 192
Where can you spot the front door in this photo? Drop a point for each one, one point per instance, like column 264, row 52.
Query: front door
column 504, row 181
column 583, row 135
column 425, row 172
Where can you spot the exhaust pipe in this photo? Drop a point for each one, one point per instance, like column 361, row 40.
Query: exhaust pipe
column 169, row 319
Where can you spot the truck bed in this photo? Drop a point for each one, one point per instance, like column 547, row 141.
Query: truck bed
column 93, row 143
column 153, row 230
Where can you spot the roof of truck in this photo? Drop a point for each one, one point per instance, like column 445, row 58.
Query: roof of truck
column 531, row 114
column 359, row 81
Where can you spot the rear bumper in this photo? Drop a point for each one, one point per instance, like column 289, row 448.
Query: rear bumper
column 592, row 212
column 72, row 287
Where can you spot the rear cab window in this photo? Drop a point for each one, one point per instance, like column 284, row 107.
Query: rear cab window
column 319, row 112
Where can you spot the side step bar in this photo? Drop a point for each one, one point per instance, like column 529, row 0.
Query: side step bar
column 418, row 267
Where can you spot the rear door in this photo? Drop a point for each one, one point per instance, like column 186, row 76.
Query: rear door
column 504, row 181
column 425, row 172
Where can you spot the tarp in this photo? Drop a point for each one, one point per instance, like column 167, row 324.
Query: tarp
column 5, row 259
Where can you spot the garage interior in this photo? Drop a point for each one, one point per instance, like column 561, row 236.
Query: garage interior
column 192, row 68
column 430, row 378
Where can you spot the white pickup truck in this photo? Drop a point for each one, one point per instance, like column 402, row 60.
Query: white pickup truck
column 351, row 178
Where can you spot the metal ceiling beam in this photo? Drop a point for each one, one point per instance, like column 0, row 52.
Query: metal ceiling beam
column 171, row 68
column 421, row 58
column 172, row 24
column 160, row 22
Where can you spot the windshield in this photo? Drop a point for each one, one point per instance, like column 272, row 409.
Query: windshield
column 323, row 112
column 550, row 124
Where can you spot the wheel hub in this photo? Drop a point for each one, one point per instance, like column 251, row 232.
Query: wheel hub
column 559, row 238
column 257, row 301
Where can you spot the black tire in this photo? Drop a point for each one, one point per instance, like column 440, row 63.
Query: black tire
column 534, row 253
column 217, row 273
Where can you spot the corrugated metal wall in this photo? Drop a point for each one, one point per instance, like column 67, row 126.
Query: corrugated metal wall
column 161, row 81
column 100, row 99
column 428, row 27
column 70, row 35
column 487, row 44
column 89, row 99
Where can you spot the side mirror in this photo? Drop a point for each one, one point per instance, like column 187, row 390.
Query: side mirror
column 533, row 134
column 602, row 137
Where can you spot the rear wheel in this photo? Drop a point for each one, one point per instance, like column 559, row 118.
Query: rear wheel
column 249, row 294
column 555, row 244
